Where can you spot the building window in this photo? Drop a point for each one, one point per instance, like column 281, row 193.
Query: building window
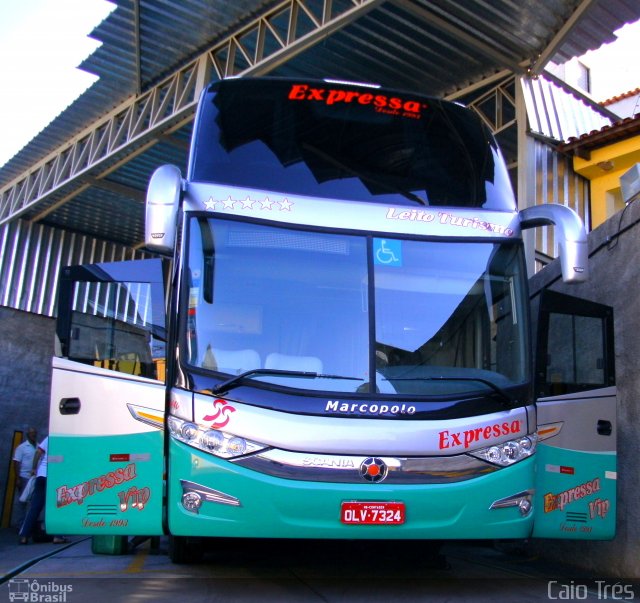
column 583, row 76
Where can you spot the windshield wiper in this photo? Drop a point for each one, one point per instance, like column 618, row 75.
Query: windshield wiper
column 229, row 384
column 504, row 397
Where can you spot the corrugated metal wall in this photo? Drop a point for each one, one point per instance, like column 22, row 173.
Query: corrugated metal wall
column 556, row 114
column 31, row 256
column 556, row 182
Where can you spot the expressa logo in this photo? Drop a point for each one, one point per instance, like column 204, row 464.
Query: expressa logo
column 221, row 415
column 380, row 102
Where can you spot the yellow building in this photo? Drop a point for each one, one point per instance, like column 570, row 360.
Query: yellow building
column 602, row 156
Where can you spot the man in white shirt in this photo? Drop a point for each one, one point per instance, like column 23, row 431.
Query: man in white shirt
column 23, row 464
column 39, row 469
column 40, row 462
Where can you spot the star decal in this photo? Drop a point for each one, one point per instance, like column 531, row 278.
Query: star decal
column 285, row 205
column 212, row 204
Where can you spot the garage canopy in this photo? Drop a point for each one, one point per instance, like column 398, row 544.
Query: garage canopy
column 88, row 170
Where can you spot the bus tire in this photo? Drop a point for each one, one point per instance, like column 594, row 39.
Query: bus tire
column 183, row 550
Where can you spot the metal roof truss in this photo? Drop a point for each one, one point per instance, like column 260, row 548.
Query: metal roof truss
column 140, row 122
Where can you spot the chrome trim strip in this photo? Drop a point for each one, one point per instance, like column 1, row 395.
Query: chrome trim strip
column 149, row 416
column 513, row 500
column 346, row 469
column 209, row 494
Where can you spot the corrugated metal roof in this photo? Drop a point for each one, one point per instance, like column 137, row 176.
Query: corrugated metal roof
column 557, row 114
column 434, row 46
column 602, row 19
column 169, row 32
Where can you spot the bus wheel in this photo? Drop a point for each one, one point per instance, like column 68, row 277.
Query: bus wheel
column 183, row 549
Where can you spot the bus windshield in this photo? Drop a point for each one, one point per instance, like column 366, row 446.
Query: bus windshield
column 360, row 314
column 347, row 142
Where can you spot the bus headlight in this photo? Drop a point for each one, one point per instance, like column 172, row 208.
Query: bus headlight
column 212, row 440
column 189, row 431
column 219, row 443
column 508, row 453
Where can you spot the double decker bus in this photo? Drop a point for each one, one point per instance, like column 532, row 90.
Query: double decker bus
column 337, row 344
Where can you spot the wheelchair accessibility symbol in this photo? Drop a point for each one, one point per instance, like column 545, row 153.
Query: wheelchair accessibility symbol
column 387, row 252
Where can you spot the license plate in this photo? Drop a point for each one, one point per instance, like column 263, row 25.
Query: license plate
column 372, row 513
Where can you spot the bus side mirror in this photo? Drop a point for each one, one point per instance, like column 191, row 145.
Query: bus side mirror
column 164, row 194
column 572, row 237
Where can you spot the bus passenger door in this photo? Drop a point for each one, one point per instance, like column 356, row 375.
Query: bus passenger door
column 106, row 425
column 576, row 409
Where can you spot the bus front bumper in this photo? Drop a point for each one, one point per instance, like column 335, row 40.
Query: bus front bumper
column 211, row 497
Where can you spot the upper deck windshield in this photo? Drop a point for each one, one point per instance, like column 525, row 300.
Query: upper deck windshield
column 368, row 315
column 349, row 142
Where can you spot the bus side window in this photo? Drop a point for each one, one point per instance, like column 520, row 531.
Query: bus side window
column 574, row 360
column 575, row 345
column 112, row 328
